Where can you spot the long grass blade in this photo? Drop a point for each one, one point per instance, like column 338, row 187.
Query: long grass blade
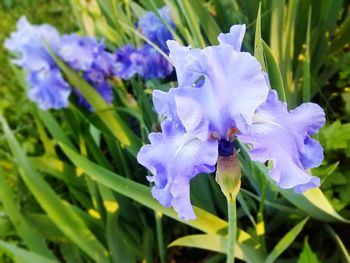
column 285, row 242
column 56, row 209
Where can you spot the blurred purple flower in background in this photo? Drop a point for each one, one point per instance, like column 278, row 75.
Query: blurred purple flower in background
column 86, row 54
column 126, row 57
column 152, row 64
column 79, row 51
column 154, row 29
column 146, row 61
column 29, row 42
column 222, row 96
column 46, row 84
column 48, row 89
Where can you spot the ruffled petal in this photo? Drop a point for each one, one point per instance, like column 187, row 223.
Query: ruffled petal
column 164, row 104
column 234, row 38
column 180, row 56
column 283, row 137
column 234, row 87
column 48, row 89
column 174, row 157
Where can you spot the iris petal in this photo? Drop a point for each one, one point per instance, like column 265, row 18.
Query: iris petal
column 49, row 89
column 234, row 38
column 234, row 87
column 284, row 138
column 174, row 157
column 180, row 56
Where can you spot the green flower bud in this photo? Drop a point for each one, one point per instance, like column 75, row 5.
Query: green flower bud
column 228, row 175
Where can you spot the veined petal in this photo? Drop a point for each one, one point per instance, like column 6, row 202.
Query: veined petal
column 164, row 104
column 283, row 137
column 174, row 157
column 234, row 87
column 234, row 38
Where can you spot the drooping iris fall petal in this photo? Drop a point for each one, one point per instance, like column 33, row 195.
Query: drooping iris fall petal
column 174, row 157
column 283, row 137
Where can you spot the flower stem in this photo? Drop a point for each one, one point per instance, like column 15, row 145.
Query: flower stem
column 232, row 228
column 160, row 238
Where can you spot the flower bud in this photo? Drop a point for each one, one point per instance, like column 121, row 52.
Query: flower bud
column 228, row 175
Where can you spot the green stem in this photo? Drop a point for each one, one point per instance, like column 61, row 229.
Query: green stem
column 232, row 229
column 160, row 238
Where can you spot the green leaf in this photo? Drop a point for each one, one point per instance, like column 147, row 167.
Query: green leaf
column 47, row 228
column 307, row 255
column 342, row 38
column 306, row 62
column 31, row 237
column 285, row 242
column 58, row 169
column 54, row 128
column 208, row 23
column 205, row 221
column 313, row 202
column 336, row 135
column 192, row 21
column 58, row 211
column 339, row 243
column 258, row 47
column 244, row 249
column 21, row 255
column 274, row 72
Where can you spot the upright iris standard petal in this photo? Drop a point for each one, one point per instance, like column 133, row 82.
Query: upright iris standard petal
column 234, row 86
column 234, row 38
column 174, row 157
column 284, row 138
column 180, row 56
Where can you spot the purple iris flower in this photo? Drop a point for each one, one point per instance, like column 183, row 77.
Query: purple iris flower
column 153, row 28
column 151, row 64
column 222, row 96
column 88, row 55
column 126, row 66
column 28, row 42
column 79, row 51
column 146, row 61
column 48, row 89
column 46, row 84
